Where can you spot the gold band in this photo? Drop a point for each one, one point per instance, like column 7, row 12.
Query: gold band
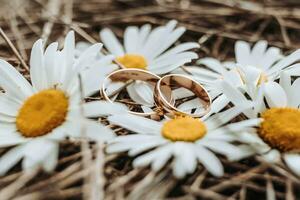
column 163, row 94
column 126, row 76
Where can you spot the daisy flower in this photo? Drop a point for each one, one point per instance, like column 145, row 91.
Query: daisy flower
column 269, row 61
column 149, row 50
column 265, row 62
column 185, row 139
column 35, row 117
column 278, row 135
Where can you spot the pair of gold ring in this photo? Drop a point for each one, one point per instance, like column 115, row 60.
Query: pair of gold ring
column 163, row 86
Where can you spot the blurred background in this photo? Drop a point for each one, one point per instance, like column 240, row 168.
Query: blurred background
column 215, row 24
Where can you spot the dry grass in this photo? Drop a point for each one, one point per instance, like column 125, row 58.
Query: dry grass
column 216, row 25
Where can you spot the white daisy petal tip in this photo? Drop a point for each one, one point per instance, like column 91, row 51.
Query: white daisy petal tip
column 273, row 156
column 38, row 44
column 172, row 23
column 70, row 35
column 242, row 152
column 293, row 162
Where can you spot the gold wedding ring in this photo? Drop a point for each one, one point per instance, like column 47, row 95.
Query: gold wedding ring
column 163, row 94
column 162, row 90
column 127, row 76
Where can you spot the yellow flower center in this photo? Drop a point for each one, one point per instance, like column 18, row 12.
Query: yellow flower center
column 42, row 112
column 133, row 61
column 281, row 128
column 186, row 129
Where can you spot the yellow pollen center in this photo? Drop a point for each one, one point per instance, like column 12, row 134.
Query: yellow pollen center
column 186, row 129
column 281, row 128
column 133, row 61
column 42, row 112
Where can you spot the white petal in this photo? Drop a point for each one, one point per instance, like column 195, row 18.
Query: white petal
column 271, row 56
column 203, row 75
column 258, row 50
column 275, row 95
column 6, row 118
column 39, row 148
column 11, row 139
column 134, row 94
column 81, row 46
column 221, row 118
column 50, row 67
column 254, row 141
column 179, row 48
column 163, row 154
column 130, row 39
column 212, row 64
column 145, row 159
column 219, row 103
column 136, row 124
column 36, row 152
column 51, row 161
column 172, row 59
column 242, row 52
column 285, row 82
column 7, row 127
column 170, row 67
column 62, row 131
column 111, row 42
column 233, row 153
column 233, row 77
column 239, row 126
column 219, row 134
column 114, row 88
column 293, row 70
column 181, row 92
column 272, row 156
column 13, row 82
column 87, row 58
column 98, row 132
column 37, row 67
column 93, row 77
column 191, row 104
column 143, row 34
column 251, row 74
column 285, row 62
column 293, row 162
column 134, row 138
column 103, row 108
column 171, row 39
column 294, row 95
column 11, row 158
column 145, row 91
column 186, row 157
column 69, row 49
column 120, row 147
column 59, row 70
column 152, row 41
column 236, row 97
column 232, row 93
column 209, row 161
column 171, row 24
column 84, row 62
column 179, row 170
column 146, row 146
column 8, row 106
column 147, row 109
